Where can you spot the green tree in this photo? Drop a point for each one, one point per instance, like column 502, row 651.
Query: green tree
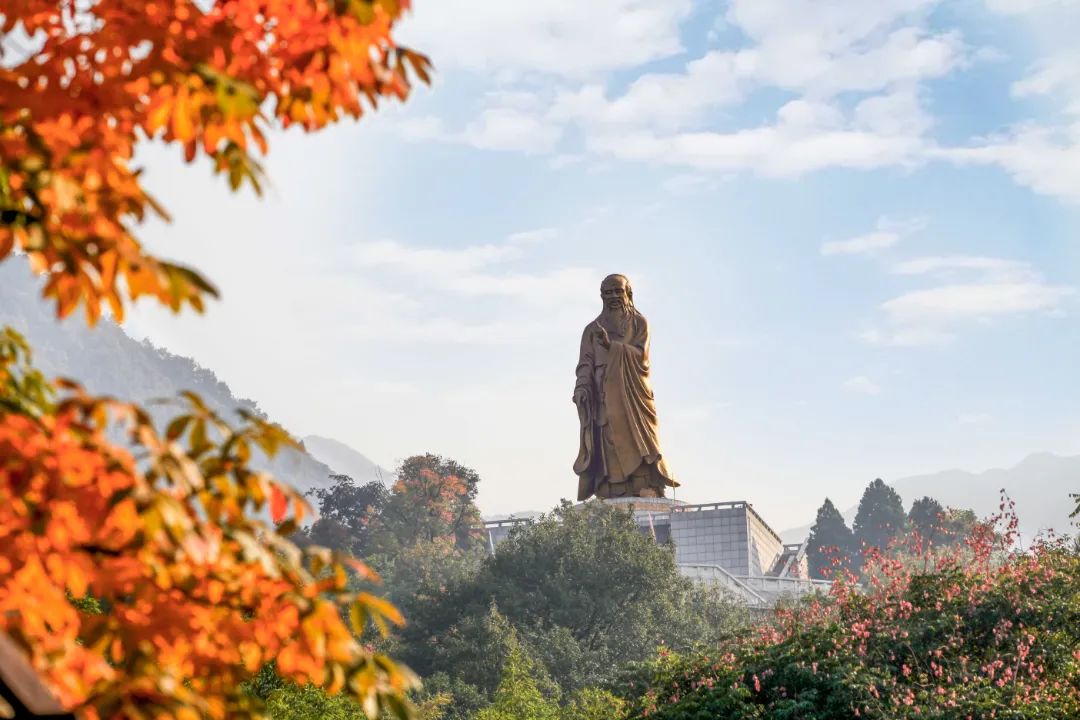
column 425, row 535
column 939, row 525
column 585, row 590
column 424, row 571
column 830, row 539
column 434, row 497
column 927, row 517
column 347, row 511
column 959, row 525
column 518, row 696
column 307, row 702
column 593, row 704
column 880, row 518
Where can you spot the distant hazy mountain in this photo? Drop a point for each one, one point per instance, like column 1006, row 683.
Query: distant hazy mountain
column 109, row 362
column 1040, row 485
column 346, row 461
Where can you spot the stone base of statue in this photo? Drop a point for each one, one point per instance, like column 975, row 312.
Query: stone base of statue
column 644, row 506
column 653, row 514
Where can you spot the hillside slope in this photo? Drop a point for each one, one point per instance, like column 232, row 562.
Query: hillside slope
column 346, row 461
column 107, row 361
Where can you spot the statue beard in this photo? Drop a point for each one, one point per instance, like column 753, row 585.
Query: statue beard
column 617, row 320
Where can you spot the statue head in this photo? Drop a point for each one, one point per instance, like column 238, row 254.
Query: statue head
column 617, row 293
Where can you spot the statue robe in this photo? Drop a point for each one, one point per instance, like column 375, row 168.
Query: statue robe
column 619, row 452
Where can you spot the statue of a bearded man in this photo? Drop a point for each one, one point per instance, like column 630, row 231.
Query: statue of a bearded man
column 620, row 453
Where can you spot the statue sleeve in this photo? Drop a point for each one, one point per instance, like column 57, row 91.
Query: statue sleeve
column 637, row 343
column 586, row 361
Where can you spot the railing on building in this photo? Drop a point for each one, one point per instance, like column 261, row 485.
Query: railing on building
column 728, row 505
column 792, row 557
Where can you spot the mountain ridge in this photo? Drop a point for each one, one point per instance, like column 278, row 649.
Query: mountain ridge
column 346, row 460
column 1039, row 484
column 108, row 361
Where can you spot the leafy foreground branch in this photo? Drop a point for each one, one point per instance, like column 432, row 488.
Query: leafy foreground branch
column 213, row 78
column 197, row 593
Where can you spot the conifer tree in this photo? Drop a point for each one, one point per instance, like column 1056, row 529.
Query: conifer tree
column 880, row 518
column 519, row 695
column 927, row 517
column 830, row 539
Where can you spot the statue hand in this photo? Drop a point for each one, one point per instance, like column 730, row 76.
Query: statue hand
column 602, row 337
column 580, row 396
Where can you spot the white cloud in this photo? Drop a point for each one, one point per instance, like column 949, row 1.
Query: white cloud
column 503, row 127
column 998, row 269
column 665, row 99
column 1055, row 75
column 906, row 337
column 806, row 136
column 803, row 47
column 546, row 289
column 903, row 226
column 478, row 271
column 862, row 244
column 559, row 37
column 420, row 129
column 565, row 160
column 970, row 289
column 539, row 235
column 847, row 61
column 881, row 51
column 847, row 45
column 1042, row 155
column 423, row 261
column 950, row 303
column 1020, row 7
column 508, row 128
column 689, row 183
column 974, row 418
column 719, row 79
column 896, row 113
column 1047, row 160
column 863, row 385
column 856, row 69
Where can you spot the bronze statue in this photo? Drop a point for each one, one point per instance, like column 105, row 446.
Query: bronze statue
column 620, row 447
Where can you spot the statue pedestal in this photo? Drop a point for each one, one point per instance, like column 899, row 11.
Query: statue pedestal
column 653, row 515
column 645, row 505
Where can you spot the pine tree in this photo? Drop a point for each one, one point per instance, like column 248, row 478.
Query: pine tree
column 519, row 695
column 880, row 518
column 830, row 539
column 927, row 517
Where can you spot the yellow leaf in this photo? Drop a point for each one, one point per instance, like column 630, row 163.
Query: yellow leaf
column 181, row 117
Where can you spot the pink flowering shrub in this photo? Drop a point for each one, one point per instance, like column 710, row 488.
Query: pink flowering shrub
column 987, row 633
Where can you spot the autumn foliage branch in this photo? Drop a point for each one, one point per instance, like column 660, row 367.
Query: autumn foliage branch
column 105, row 75
column 199, row 592
column 162, row 533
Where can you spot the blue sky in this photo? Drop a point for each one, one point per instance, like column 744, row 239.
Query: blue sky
column 852, row 226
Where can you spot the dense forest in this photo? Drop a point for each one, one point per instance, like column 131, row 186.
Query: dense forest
column 578, row 615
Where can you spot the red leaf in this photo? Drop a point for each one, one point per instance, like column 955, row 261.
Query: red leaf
column 278, row 504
